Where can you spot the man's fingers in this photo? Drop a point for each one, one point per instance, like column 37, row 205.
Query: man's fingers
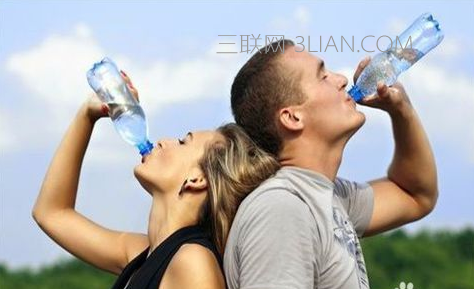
column 361, row 67
column 382, row 90
column 105, row 108
column 382, row 93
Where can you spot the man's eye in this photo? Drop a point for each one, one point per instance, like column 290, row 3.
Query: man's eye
column 180, row 141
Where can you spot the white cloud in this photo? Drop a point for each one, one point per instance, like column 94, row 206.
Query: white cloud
column 299, row 21
column 7, row 137
column 302, row 15
column 450, row 48
column 396, row 26
column 444, row 101
column 54, row 72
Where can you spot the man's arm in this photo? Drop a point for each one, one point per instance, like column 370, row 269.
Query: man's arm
column 409, row 191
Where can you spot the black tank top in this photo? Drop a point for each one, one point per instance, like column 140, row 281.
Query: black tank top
column 151, row 269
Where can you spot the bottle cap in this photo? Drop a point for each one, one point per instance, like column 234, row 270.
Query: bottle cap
column 145, row 148
column 355, row 93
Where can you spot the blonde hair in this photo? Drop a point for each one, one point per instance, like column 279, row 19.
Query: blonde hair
column 233, row 169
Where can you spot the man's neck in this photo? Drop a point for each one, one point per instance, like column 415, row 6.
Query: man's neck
column 322, row 158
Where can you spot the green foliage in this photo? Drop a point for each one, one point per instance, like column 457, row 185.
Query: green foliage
column 428, row 259
column 66, row 274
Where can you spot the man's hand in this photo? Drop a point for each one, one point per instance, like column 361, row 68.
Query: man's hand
column 391, row 99
column 409, row 190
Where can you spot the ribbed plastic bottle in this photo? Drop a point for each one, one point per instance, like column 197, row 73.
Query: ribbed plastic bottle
column 415, row 42
column 124, row 110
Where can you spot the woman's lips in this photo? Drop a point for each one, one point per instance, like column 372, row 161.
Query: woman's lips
column 144, row 158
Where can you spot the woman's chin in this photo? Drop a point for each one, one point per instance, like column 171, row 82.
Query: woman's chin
column 145, row 182
column 137, row 171
column 139, row 174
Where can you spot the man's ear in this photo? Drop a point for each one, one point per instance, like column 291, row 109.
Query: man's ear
column 291, row 118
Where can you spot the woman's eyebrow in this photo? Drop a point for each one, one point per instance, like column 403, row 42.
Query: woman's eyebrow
column 190, row 135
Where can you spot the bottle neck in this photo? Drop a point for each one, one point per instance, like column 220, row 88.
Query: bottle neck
column 145, row 147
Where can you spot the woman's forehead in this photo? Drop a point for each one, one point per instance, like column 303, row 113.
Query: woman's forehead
column 206, row 135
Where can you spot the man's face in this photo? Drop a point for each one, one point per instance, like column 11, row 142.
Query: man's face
column 329, row 113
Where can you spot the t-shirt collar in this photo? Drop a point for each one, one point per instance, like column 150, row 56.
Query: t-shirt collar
column 313, row 175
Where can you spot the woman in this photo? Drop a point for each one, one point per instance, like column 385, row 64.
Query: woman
column 196, row 185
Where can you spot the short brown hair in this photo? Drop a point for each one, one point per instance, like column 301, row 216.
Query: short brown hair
column 260, row 89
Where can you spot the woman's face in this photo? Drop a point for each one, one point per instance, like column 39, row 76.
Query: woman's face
column 172, row 161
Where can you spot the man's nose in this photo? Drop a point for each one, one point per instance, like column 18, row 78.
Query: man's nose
column 342, row 81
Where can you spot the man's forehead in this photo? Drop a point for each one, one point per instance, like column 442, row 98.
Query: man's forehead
column 292, row 56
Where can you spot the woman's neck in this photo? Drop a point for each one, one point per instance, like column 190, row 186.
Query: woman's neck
column 167, row 215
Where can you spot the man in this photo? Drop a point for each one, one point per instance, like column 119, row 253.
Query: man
column 300, row 228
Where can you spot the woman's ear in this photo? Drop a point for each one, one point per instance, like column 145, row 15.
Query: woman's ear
column 196, row 184
column 291, row 118
column 196, row 180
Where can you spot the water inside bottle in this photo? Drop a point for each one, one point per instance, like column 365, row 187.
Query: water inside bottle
column 130, row 122
column 406, row 57
column 386, row 67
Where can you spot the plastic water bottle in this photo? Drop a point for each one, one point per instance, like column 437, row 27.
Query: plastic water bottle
column 422, row 36
column 124, row 110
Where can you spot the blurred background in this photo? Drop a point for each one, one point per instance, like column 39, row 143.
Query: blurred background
column 169, row 49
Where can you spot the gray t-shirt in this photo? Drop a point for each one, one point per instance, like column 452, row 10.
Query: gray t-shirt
column 299, row 230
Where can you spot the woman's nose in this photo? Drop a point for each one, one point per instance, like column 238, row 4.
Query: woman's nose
column 165, row 142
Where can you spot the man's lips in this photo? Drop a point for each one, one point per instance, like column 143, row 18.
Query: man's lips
column 350, row 99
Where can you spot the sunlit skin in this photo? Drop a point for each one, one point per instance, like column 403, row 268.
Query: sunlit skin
column 316, row 132
column 326, row 120
column 170, row 174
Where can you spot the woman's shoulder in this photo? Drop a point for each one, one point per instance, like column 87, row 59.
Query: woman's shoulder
column 194, row 266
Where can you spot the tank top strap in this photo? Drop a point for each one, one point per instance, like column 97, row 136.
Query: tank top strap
column 152, row 271
column 131, row 267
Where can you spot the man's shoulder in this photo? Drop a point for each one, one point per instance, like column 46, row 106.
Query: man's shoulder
column 274, row 191
column 274, row 197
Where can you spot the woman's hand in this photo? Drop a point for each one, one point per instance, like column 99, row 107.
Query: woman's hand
column 54, row 210
column 95, row 109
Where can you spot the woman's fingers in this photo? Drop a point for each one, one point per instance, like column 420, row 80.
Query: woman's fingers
column 125, row 77
column 134, row 92
column 129, row 83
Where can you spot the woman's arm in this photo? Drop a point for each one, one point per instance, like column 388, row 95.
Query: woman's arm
column 54, row 209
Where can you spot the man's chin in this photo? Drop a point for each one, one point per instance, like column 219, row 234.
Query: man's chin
column 358, row 123
column 362, row 119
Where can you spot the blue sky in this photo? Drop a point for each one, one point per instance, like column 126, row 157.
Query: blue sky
column 169, row 50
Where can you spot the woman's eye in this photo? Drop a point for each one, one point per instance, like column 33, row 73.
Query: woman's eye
column 180, row 141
